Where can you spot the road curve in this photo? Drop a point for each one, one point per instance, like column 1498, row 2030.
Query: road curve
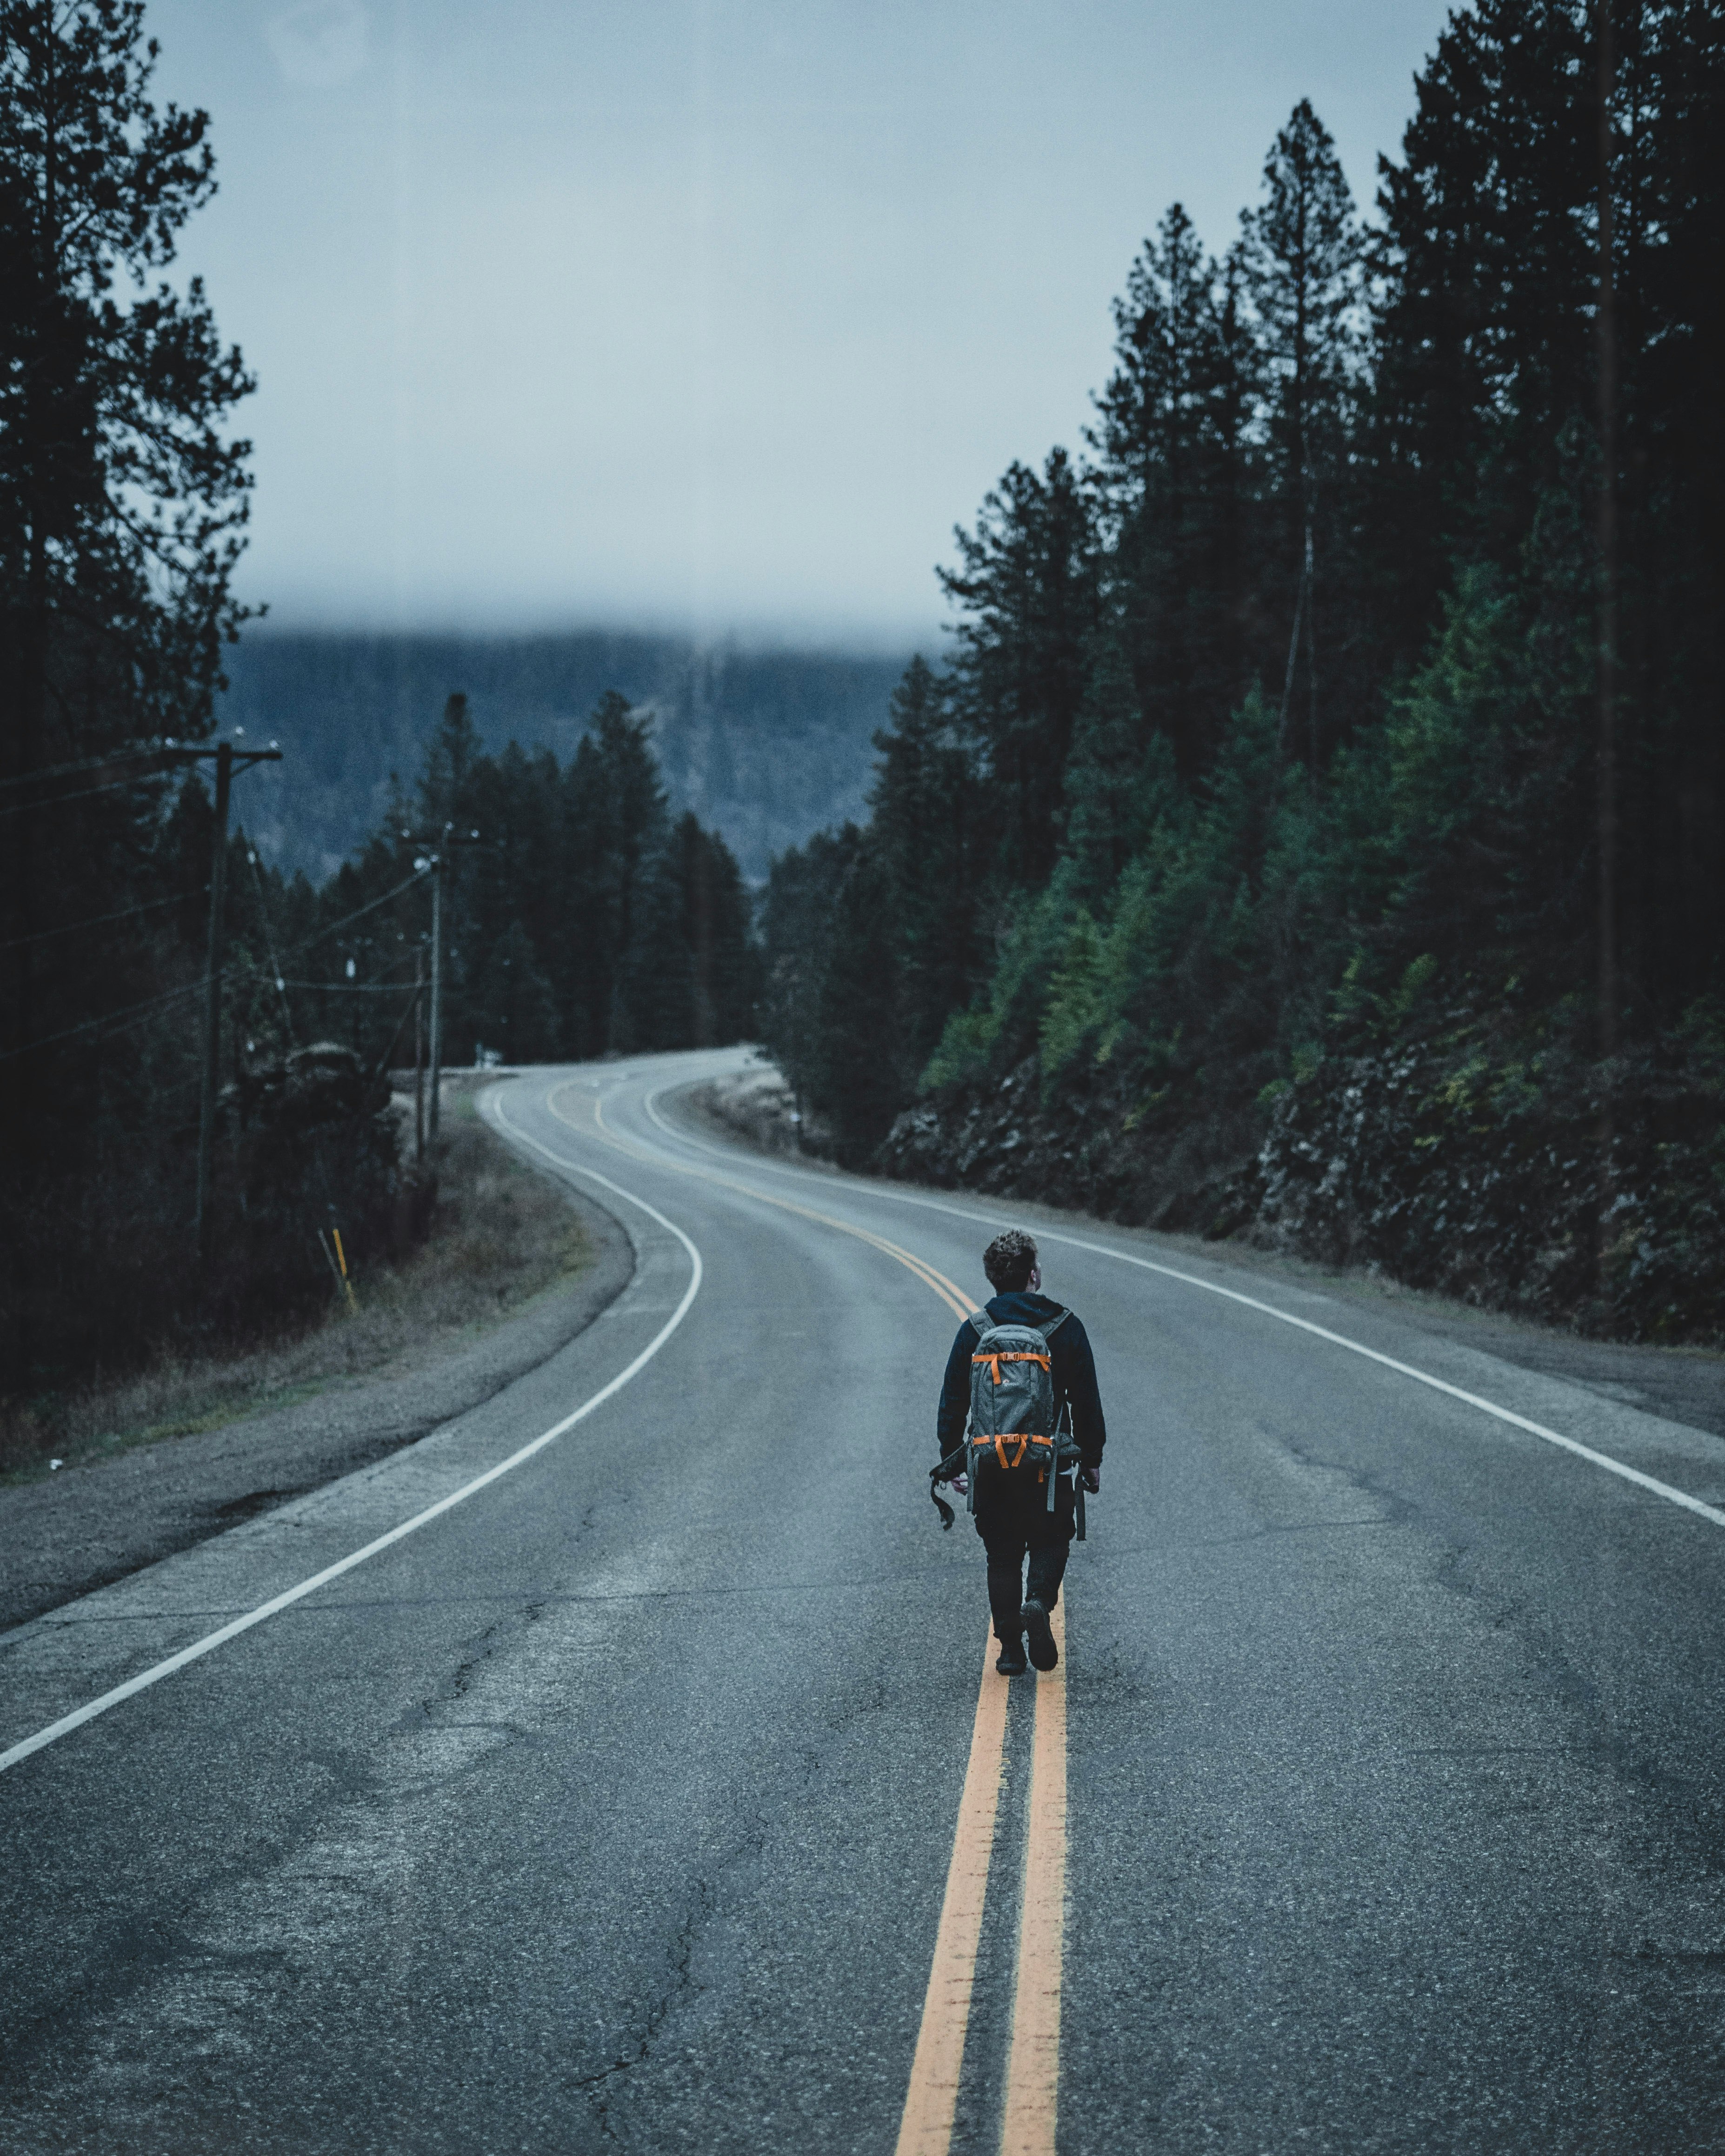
column 621, row 1767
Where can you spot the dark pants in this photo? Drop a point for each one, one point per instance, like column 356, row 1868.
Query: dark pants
column 1015, row 1523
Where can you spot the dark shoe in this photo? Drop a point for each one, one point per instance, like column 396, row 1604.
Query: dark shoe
column 1044, row 1653
column 1011, row 1663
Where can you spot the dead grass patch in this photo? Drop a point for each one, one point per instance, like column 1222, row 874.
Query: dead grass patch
column 499, row 1233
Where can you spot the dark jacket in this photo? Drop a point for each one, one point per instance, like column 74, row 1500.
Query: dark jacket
column 1071, row 1366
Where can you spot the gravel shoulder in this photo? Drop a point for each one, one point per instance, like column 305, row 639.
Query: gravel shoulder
column 98, row 1521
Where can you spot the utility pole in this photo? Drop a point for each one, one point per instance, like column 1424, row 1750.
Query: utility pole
column 213, row 995
column 435, row 860
column 420, row 1053
column 437, row 986
column 226, row 758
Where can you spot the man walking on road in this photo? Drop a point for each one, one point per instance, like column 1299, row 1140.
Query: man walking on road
column 1013, row 1515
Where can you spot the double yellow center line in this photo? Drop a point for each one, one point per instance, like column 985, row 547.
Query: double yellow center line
column 1031, row 2107
column 1033, row 2060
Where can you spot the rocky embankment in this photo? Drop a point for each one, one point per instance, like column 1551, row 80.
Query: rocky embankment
column 1087, row 1147
column 1582, row 1194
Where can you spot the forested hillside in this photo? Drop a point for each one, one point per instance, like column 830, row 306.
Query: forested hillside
column 764, row 746
column 1317, row 834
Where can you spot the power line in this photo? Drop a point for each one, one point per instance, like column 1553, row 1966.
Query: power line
column 225, row 757
column 106, row 1022
column 295, row 949
column 84, row 763
column 83, row 794
column 401, row 1026
column 168, row 754
column 100, row 920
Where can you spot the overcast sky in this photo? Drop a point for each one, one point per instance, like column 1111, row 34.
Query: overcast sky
column 705, row 313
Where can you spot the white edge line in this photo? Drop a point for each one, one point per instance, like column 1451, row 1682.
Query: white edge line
column 211, row 1640
column 1648, row 1482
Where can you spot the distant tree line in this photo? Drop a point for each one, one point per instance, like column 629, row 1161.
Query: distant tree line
column 1366, row 663
column 581, row 917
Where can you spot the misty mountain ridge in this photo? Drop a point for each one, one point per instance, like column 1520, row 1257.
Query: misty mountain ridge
column 766, row 745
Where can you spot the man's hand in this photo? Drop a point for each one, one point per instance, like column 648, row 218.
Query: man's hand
column 961, row 1483
column 1092, row 1480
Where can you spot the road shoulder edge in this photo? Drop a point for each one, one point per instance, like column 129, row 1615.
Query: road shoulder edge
column 100, row 1523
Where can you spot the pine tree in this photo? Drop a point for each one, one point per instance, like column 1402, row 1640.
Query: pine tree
column 715, row 929
column 1026, row 596
column 1303, row 260
column 452, row 761
column 1117, row 779
column 120, row 502
column 1174, row 472
column 509, row 882
column 856, row 1077
column 511, row 1006
column 922, row 805
column 798, row 917
column 615, row 819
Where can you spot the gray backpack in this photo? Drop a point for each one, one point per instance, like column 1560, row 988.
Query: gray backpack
column 1012, row 1429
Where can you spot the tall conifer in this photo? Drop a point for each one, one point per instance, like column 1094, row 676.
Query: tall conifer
column 1302, row 259
column 1026, row 598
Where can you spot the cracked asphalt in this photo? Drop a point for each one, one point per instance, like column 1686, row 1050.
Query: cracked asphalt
column 612, row 1808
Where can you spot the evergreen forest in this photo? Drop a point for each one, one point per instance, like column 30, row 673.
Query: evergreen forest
column 1313, row 831
column 1316, row 828
column 580, row 918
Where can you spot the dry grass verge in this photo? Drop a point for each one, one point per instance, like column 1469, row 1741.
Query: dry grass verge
column 499, row 1235
column 758, row 1107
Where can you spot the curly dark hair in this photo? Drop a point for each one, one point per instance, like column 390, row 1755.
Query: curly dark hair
column 1010, row 1260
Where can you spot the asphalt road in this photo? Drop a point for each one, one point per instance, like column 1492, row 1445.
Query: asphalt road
column 1378, row 1806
